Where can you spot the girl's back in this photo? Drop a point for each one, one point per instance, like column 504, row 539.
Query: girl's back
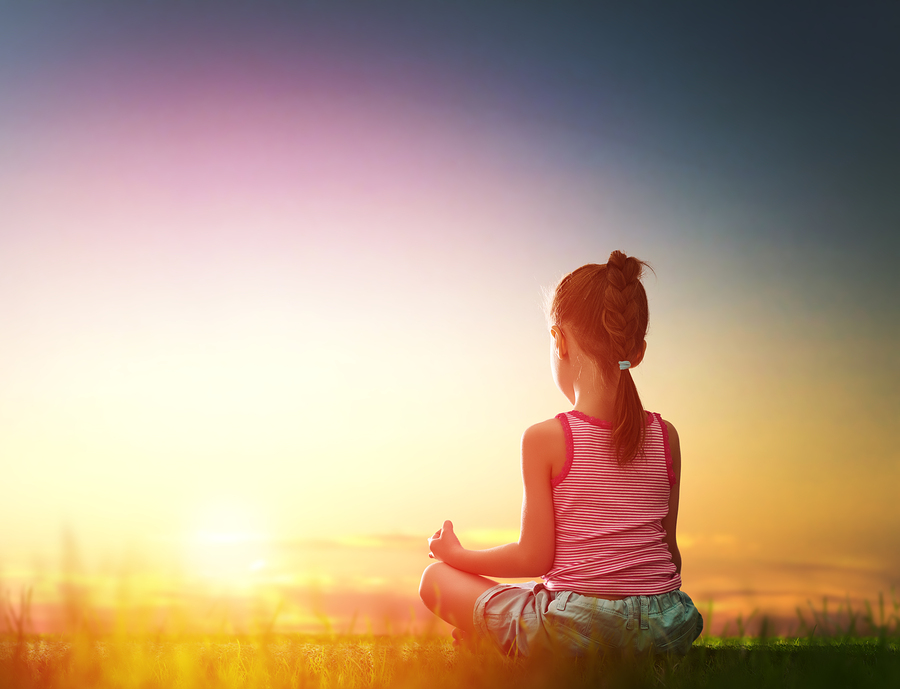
column 609, row 537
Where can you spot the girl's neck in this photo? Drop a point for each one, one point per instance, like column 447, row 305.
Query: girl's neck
column 598, row 406
column 594, row 395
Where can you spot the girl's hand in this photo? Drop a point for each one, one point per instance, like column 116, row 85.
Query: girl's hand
column 444, row 543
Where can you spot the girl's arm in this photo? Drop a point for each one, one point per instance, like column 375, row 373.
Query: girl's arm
column 671, row 519
column 532, row 555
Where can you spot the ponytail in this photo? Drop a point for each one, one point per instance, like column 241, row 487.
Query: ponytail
column 606, row 306
column 622, row 317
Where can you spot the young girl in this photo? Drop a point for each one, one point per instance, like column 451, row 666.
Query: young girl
column 600, row 502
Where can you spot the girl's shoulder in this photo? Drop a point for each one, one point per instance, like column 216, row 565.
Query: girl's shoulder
column 665, row 425
column 673, row 446
column 668, row 428
column 548, row 431
column 544, row 443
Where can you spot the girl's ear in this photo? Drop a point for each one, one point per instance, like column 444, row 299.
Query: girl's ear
column 559, row 341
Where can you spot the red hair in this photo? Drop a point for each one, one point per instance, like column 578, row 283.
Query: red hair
column 605, row 308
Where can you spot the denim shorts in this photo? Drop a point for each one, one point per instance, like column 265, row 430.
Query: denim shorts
column 521, row 619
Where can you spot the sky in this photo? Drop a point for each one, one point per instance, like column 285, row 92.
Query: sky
column 272, row 279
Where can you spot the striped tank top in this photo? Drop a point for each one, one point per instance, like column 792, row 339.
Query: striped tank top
column 609, row 536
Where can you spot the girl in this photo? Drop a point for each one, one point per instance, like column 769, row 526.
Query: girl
column 600, row 502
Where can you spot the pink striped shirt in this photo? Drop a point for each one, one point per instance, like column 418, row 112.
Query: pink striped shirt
column 609, row 536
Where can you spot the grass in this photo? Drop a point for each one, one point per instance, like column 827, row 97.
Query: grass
column 73, row 662
column 837, row 649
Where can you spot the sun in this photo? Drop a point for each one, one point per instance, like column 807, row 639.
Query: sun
column 229, row 548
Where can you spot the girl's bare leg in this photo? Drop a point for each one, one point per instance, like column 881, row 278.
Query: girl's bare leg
column 451, row 594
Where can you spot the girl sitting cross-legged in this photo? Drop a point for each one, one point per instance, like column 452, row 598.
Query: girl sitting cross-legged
column 601, row 485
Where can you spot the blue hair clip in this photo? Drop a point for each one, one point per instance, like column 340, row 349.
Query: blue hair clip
column 624, row 365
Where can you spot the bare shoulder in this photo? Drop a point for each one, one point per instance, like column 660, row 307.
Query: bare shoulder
column 674, row 446
column 547, row 433
column 545, row 442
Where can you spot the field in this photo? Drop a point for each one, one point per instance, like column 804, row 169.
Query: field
column 841, row 649
column 396, row 663
column 73, row 662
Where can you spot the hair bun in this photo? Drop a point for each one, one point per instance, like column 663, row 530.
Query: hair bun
column 617, row 259
column 629, row 267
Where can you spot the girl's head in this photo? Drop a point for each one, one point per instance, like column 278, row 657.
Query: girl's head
column 604, row 308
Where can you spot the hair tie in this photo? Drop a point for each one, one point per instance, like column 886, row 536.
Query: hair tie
column 623, row 365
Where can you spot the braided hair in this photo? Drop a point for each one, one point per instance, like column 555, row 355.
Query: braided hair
column 605, row 307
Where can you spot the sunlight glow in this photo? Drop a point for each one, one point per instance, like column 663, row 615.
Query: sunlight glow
column 229, row 549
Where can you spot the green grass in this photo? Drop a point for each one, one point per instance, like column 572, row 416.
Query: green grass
column 841, row 648
column 398, row 662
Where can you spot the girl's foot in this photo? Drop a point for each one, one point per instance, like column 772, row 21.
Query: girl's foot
column 461, row 639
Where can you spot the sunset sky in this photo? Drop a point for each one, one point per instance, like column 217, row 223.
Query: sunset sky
column 271, row 280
